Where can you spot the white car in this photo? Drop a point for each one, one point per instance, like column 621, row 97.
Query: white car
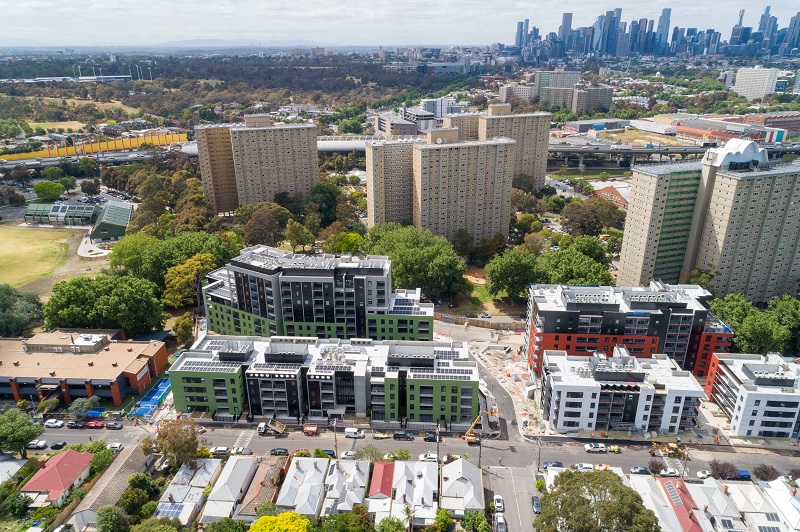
column 53, row 424
column 37, row 444
column 669, row 472
column 595, row 448
column 499, row 504
column 348, row 455
column 115, row 447
column 583, row 467
column 705, row 473
column 429, row 457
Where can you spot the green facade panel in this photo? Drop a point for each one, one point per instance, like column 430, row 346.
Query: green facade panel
column 194, row 391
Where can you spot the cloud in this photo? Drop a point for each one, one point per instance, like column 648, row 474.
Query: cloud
column 357, row 22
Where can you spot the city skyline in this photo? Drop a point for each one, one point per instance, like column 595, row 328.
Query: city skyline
column 354, row 22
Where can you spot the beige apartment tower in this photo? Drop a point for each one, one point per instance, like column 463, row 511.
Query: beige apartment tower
column 467, row 124
column 266, row 158
column 531, row 131
column 463, row 184
column 744, row 220
column 390, row 181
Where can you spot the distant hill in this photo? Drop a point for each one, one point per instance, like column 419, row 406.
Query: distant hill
column 14, row 41
column 223, row 43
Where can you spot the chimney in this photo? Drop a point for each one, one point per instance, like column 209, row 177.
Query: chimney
column 404, row 498
column 171, row 498
column 52, row 373
column 115, row 364
column 423, row 501
column 91, row 363
column 130, row 349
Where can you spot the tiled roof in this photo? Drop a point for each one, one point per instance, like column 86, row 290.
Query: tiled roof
column 263, row 488
column 58, row 473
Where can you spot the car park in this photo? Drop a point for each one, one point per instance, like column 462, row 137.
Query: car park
column 115, row 447
column 348, row 455
column 58, row 445
column 432, row 437
column 279, row 451
column 95, row 425
column 429, row 457
column 669, row 472
column 53, row 424
column 114, row 425
column 595, row 448
column 75, row 424
column 640, row 470
column 499, row 503
column 546, row 465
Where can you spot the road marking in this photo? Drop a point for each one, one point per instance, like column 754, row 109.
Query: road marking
column 244, row 438
column 516, row 498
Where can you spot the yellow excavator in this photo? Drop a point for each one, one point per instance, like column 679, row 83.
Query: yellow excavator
column 473, row 438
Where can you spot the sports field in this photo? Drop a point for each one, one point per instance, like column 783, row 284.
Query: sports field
column 28, row 254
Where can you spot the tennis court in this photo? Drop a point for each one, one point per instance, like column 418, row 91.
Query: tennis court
column 152, row 399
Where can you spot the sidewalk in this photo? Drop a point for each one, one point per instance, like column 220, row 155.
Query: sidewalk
column 90, row 250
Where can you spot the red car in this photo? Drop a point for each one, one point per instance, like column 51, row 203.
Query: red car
column 95, row 425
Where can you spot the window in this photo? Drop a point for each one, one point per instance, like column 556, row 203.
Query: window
column 674, row 419
column 678, row 399
column 758, row 402
column 676, row 409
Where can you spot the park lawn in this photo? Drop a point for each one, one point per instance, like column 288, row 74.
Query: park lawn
column 100, row 105
column 29, row 254
column 48, row 126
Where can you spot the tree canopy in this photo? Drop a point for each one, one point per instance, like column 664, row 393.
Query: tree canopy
column 182, row 282
column 511, row 272
column 760, row 331
column 593, row 502
column 419, row 259
column 570, row 266
column 17, row 430
column 285, row 522
column 105, row 302
column 18, row 310
column 47, row 190
column 177, row 440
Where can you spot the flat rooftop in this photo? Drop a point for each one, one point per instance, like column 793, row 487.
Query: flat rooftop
column 669, row 168
column 769, row 373
column 550, row 297
column 272, row 258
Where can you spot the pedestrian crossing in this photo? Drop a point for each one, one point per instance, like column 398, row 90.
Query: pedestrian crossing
column 244, row 438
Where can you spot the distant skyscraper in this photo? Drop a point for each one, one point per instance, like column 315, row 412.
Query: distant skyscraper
column 519, row 35
column 793, row 35
column 662, row 33
column 566, row 26
column 762, row 23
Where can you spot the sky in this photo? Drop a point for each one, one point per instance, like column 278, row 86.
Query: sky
column 340, row 22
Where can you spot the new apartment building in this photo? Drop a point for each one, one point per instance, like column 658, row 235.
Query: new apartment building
column 293, row 377
column 253, row 162
column 660, row 318
column 557, row 79
column 756, row 82
column 743, row 221
column 620, row 392
column 269, row 292
column 462, row 184
column 390, row 181
column 759, row 394
column 531, row 131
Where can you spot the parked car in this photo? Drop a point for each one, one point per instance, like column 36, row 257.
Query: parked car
column 742, row 474
column 705, row 473
column 220, row 452
column 37, row 444
column 348, row 455
column 595, row 448
column 58, row 445
column 114, row 425
column 500, row 523
column 242, row 450
column 381, row 435
column 74, row 424
column 115, row 447
column 432, row 437
column 95, row 425
column 499, row 504
column 452, row 305
column 669, row 472
column 640, row 470
column 402, row 435
column 545, row 465
column 53, row 424
column 279, row 451
column 429, row 457
column 583, row 467
column 485, row 315
column 537, row 505
column 471, row 315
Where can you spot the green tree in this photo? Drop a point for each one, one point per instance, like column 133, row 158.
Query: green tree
column 390, row 524
column 89, row 167
column 760, row 333
column 463, row 243
column 765, row 472
column 607, row 212
column 511, row 273
column 555, row 204
column 285, row 522
column 298, row 235
column 111, row 519
column 369, row 452
column 159, row 524
column 566, row 241
column 18, row 503
column 614, row 245
column 419, row 259
column 786, row 310
column 343, row 243
column 104, row 302
column 131, row 252
column 18, row 310
column 227, row 524
column 577, row 219
column 732, row 309
column 535, row 243
column 148, row 509
column 101, row 459
column 593, row 502
column 401, row 454
column 472, row 520
column 52, row 173
column 47, row 405
column 704, row 277
column 48, row 190
column 182, row 282
column 354, row 126
column 184, row 329
column 177, row 439
column 80, row 406
column 570, row 266
column 132, row 500
column 325, row 195
column 265, row 228
column 17, row 430
column 90, row 187
column 268, row 508
column 593, row 248
column 443, row 520
column 68, row 182
column 144, row 482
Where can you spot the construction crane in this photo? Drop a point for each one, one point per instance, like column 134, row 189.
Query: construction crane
column 469, row 436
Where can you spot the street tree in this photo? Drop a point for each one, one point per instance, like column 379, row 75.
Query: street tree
column 80, row 406
column 184, row 329
column 47, row 405
column 593, row 502
column 48, row 190
column 177, row 440
column 511, row 272
column 723, row 470
column 132, row 499
column 90, row 187
column 52, row 173
column 765, row 472
column 226, row 524
column 17, row 430
column 655, row 465
column 182, row 282
column 392, row 524
column 298, row 235
column 18, row 310
column 570, row 266
column 369, row 452
column 111, row 518
column 285, row 522
column 593, row 248
column 68, row 182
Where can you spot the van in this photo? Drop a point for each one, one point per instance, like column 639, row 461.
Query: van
column 262, row 428
column 353, row 433
column 220, row 452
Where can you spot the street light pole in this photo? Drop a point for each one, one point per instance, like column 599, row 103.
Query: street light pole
column 335, row 442
column 480, row 452
column 539, row 457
